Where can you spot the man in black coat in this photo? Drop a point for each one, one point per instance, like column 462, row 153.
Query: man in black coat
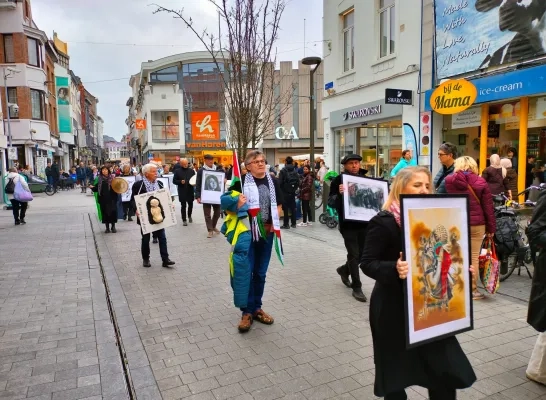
column 353, row 232
column 150, row 183
column 182, row 175
column 55, row 173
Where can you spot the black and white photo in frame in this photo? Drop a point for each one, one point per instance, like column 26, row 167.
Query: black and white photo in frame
column 130, row 182
column 156, row 210
column 212, row 186
column 363, row 197
column 172, row 187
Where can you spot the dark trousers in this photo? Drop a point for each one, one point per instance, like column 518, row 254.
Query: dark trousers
column 306, row 210
column 19, row 209
column 289, row 206
column 183, row 204
column 354, row 243
column 259, row 255
column 211, row 221
column 127, row 209
column 145, row 246
column 438, row 394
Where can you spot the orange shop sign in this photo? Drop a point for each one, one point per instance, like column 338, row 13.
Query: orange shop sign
column 140, row 124
column 453, row 96
column 205, row 125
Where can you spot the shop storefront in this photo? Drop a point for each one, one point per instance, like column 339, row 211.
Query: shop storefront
column 372, row 130
column 511, row 108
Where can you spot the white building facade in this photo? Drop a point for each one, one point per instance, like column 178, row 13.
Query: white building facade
column 370, row 46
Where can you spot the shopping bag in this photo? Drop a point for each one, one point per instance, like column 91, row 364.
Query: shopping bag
column 20, row 194
column 489, row 266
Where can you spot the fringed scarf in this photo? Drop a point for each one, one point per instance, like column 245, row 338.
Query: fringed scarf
column 107, row 179
column 257, row 227
column 395, row 210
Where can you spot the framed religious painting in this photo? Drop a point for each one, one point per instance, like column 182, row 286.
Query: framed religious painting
column 212, row 186
column 438, row 299
column 363, row 197
column 156, row 210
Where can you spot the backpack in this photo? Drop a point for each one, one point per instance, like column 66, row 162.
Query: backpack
column 10, row 186
column 291, row 182
column 506, row 236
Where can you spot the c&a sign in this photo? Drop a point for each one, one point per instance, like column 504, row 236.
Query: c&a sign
column 205, row 125
column 453, row 96
column 282, row 133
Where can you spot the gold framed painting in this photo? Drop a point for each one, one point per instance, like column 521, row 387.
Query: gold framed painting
column 438, row 300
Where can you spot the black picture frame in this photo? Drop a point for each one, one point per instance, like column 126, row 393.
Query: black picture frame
column 428, row 203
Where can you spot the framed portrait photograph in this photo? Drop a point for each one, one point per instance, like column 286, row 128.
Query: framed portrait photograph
column 438, row 299
column 130, row 182
column 363, row 197
column 156, row 210
column 172, row 187
column 212, row 186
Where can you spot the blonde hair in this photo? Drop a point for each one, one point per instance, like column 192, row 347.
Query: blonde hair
column 466, row 163
column 401, row 180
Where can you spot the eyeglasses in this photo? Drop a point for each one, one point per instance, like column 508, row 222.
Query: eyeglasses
column 257, row 162
column 442, row 154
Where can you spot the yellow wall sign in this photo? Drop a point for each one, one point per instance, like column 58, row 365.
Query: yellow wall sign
column 453, row 96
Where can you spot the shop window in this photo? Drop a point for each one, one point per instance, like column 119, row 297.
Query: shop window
column 9, row 53
column 12, row 99
column 348, row 41
column 169, row 74
column 37, row 104
column 34, row 57
column 387, row 28
column 165, row 126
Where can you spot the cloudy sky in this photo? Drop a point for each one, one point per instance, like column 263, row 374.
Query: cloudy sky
column 109, row 39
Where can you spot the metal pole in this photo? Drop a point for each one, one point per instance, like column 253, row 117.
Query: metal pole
column 312, row 125
column 10, row 161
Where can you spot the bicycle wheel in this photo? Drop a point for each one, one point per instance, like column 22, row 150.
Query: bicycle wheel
column 49, row 190
column 323, row 218
column 507, row 266
column 318, row 200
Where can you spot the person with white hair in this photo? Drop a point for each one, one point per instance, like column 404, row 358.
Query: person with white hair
column 149, row 183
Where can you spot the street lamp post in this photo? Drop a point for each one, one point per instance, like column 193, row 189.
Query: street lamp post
column 7, row 72
column 312, row 61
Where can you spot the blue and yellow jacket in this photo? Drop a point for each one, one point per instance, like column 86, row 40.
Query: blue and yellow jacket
column 237, row 232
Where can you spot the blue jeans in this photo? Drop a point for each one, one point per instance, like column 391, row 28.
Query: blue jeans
column 50, row 180
column 259, row 255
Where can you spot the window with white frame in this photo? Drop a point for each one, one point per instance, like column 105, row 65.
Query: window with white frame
column 387, row 28
column 348, row 40
column 37, row 104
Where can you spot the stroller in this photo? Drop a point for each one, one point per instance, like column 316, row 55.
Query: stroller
column 329, row 217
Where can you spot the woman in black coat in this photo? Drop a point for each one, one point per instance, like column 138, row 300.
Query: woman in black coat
column 440, row 366
column 107, row 199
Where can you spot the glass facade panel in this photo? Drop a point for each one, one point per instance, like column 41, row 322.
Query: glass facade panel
column 345, row 144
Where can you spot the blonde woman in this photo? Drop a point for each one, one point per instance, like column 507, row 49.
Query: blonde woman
column 440, row 366
column 465, row 180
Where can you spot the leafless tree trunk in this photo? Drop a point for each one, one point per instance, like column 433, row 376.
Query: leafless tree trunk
column 245, row 46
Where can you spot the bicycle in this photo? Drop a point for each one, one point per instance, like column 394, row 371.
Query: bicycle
column 50, row 190
column 517, row 249
column 318, row 195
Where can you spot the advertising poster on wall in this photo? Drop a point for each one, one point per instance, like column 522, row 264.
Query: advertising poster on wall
column 62, row 85
column 476, row 34
column 424, row 138
column 205, row 132
column 165, row 125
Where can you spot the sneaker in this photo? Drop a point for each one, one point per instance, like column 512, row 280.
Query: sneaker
column 168, row 263
column 146, row 263
column 190, row 220
column 23, row 222
column 185, row 223
column 285, row 227
column 476, row 295
column 209, row 235
column 309, row 223
column 293, row 225
column 302, row 224
column 17, row 222
column 359, row 295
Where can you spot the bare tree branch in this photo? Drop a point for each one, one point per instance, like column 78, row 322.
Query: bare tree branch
column 245, row 50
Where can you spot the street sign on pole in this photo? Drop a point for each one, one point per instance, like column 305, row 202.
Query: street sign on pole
column 12, row 153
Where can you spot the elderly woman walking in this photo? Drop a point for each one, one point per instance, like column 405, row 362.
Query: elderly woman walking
column 19, row 208
column 106, row 199
column 511, row 177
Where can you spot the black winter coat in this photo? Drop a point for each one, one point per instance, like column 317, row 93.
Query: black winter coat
column 536, row 233
column 334, row 197
column 185, row 191
column 435, row 365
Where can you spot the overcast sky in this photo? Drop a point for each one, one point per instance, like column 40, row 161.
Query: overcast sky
column 135, row 35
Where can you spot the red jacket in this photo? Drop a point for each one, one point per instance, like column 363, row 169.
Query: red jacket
column 481, row 213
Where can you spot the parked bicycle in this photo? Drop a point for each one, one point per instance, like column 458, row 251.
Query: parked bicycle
column 318, row 195
column 50, row 190
column 512, row 244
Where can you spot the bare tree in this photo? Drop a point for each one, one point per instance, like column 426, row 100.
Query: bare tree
column 245, row 48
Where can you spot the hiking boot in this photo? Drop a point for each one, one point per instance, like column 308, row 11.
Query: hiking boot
column 168, row 263
column 344, row 276
column 357, row 294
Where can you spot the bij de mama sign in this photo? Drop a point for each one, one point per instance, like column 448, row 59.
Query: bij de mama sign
column 453, row 96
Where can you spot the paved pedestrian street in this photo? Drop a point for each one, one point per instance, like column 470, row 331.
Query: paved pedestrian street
column 80, row 318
